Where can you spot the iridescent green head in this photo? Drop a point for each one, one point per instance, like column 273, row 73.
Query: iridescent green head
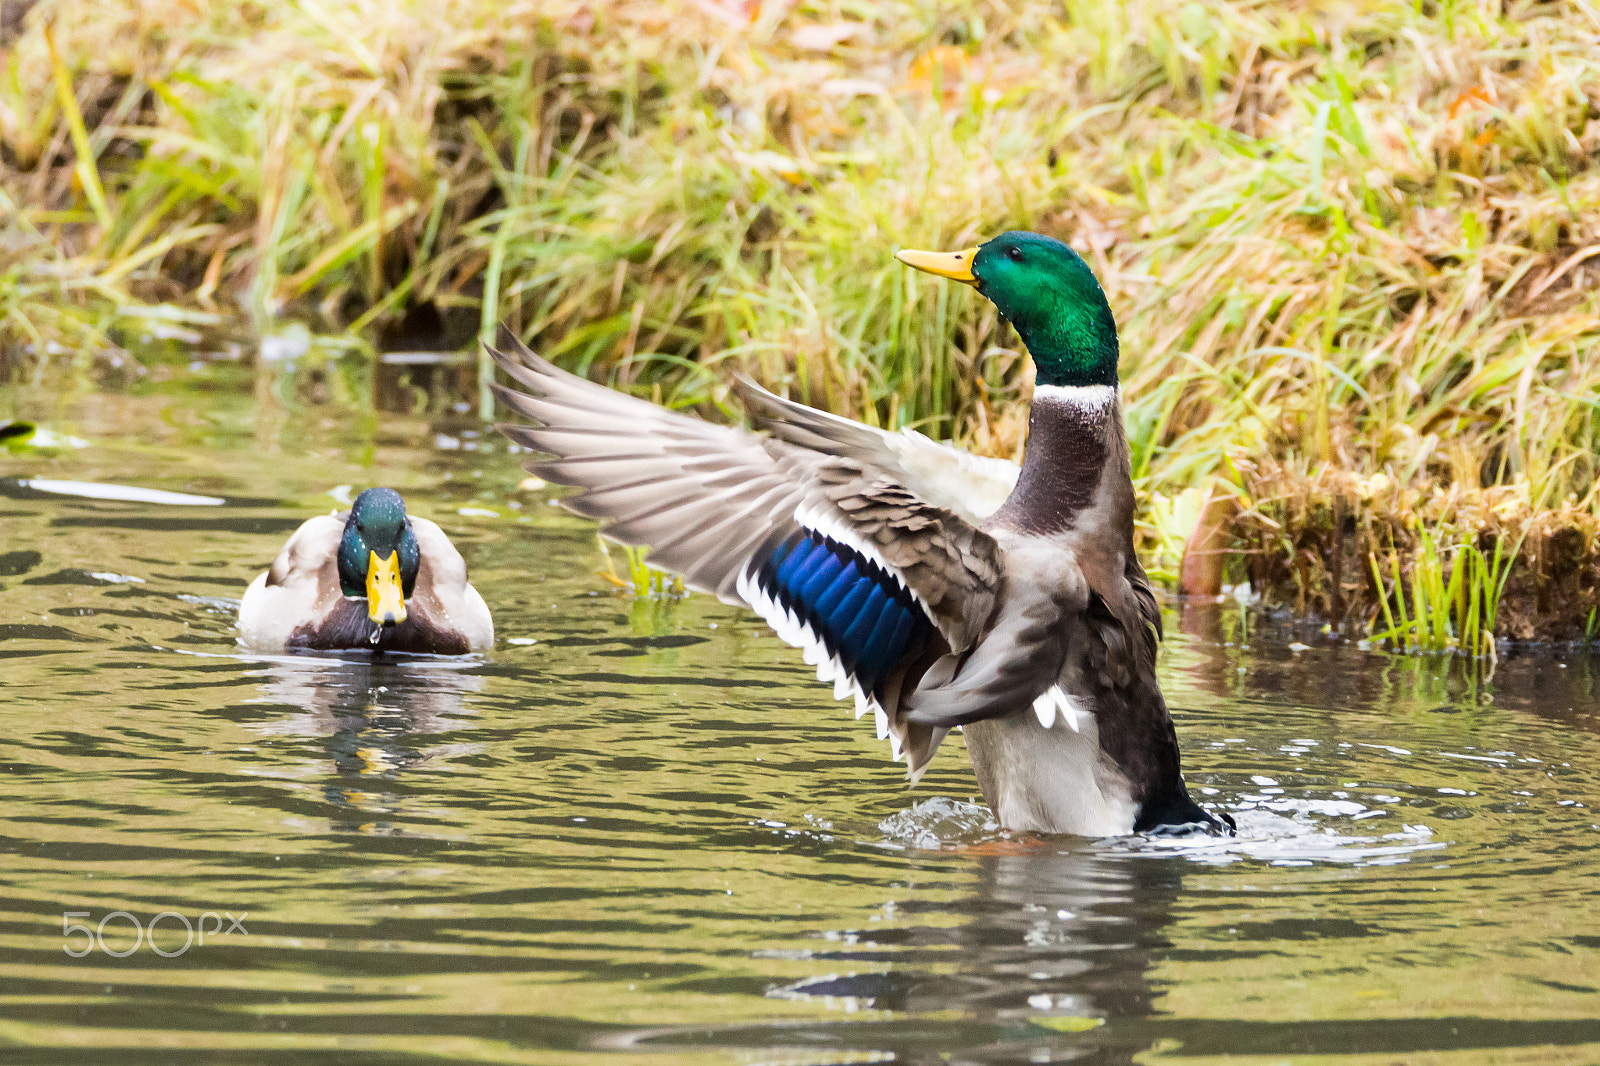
column 379, row 555
column 1048, row 293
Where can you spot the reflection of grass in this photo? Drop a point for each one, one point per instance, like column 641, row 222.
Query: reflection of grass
column 1330, row 245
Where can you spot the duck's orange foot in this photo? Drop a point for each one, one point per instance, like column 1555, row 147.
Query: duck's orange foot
column 1017, row 844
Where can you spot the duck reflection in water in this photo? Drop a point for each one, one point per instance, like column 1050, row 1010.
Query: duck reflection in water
column 1058, row 946
column 370, row 718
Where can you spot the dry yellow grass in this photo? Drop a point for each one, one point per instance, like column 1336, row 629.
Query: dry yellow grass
column 1344, row 241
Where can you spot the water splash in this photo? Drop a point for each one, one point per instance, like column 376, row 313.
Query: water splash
column 1278, row 830
column 940, row 822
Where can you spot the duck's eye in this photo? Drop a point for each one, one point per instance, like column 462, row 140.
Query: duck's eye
column 1015, row 253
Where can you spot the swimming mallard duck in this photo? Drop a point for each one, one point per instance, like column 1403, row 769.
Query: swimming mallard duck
column 370, row 579
column 938, row 589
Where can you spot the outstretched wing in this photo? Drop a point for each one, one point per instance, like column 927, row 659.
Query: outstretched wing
column 971, row 486
column 841, row 559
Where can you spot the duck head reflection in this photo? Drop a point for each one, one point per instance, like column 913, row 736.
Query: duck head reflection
column 369, row 717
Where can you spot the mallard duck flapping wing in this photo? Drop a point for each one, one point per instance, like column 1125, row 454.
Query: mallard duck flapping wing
column 873, row 583
column 1028, row 623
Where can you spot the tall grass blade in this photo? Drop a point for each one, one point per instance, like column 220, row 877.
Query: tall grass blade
column 88, row 171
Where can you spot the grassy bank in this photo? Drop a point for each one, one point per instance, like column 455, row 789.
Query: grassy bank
column 1354, row 249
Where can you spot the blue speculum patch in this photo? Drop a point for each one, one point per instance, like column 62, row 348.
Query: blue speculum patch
column 860, row 612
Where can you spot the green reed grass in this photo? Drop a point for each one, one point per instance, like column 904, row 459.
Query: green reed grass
column 1453, row 596
column 641, row 579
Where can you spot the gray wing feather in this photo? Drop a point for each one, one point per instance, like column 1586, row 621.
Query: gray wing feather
column 658, row 478
column 971, row 486
column 1020, row 658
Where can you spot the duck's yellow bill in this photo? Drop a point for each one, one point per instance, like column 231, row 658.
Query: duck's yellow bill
column 386, row 604
column 957, row 266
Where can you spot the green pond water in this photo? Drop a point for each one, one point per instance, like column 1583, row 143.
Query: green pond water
column 640, row 832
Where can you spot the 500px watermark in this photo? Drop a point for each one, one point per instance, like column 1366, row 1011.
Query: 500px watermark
column 170, row 923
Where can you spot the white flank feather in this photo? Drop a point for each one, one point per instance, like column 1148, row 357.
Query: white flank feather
column 1045, row 708
column 1054, row 700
